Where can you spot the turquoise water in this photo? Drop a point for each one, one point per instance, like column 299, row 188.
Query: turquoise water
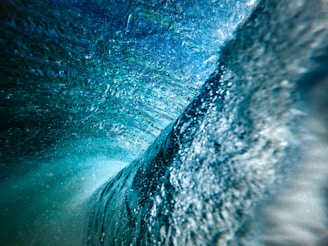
column 240, row 88
column 86, row 86
column 74, row 70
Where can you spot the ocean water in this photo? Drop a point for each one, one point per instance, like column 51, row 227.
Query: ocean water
column 163, row 122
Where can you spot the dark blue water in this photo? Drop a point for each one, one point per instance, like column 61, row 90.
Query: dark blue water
column 106, row 70
column 237, row 90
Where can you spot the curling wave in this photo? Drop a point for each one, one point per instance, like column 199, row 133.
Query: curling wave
column 233, row 148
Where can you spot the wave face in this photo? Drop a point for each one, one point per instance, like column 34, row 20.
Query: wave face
column 106, row 70
column 233, row 147
column 88, row 86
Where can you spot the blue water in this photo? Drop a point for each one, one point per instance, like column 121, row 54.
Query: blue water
column 73, row 70
column 216, row 109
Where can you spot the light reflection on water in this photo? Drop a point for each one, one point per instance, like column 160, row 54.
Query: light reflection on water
column 47, row 205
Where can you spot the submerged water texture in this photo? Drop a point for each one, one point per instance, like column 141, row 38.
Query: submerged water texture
column 87, row 86
column 246, row 161
column 114, row 71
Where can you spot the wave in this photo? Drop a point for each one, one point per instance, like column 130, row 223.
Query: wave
column 87, row 86
column 220, row 174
